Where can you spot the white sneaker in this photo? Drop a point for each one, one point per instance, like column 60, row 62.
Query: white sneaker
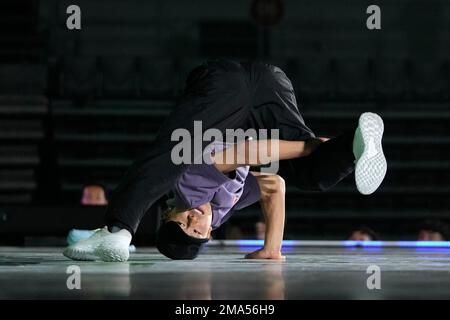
column 76, row 235
column 102, row 245
column 371, row 165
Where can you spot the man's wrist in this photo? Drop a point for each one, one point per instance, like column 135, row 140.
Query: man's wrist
column 272, row 249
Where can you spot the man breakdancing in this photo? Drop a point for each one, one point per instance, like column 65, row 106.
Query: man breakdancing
column 223, row 95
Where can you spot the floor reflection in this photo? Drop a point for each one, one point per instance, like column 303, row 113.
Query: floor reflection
column 105, row 281
column 264, row 281
column 307, row 273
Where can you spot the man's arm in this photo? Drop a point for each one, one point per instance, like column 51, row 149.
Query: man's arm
column 273, row 207
column 261, row 152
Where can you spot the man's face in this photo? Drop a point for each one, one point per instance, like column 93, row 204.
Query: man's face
column 360, row 236
column 195, row 222
column 429, row 235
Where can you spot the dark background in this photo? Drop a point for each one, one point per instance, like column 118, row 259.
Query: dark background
column 77, row 106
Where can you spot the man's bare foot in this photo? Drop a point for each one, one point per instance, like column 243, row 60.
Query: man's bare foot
column 265, row 254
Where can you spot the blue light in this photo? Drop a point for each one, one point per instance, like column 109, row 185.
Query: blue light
column 424, row 244
column 251, row 243
column 260, row 243
column 401, row 244
column 289, row 243
column 348, row 244
column 351, row 243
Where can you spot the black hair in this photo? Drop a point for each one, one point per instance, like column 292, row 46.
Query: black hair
column 175, row 244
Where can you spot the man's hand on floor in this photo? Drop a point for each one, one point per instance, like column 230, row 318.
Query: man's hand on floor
column 265, row 254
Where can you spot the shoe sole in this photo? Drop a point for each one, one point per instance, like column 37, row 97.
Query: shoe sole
column 104, row 254
column 371, row 168
column 109, row 254
column 79, row 255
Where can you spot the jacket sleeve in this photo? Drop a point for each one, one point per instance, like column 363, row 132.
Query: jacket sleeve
column 198, row 185
column 250, row 194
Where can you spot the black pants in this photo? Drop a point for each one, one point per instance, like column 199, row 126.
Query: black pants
column 224, row 95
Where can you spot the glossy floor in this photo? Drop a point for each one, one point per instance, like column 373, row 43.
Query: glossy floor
column 222, row 273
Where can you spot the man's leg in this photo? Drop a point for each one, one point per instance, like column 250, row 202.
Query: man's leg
column 331, row 162
column 360, row 150
column 276, row 108
column 316, row 165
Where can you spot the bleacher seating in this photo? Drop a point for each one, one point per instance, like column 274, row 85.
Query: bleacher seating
column 313, row 79
column 156, row 77
column 119, row 76
column 114, row 91
column 22, row 133
column 391, row 79
column 354, row 81
column 23, row 78
column 20, row 40
column 80, row 76
column 97, row 142
column 430, row 80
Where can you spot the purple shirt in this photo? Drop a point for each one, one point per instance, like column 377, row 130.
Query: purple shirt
column 202, row 183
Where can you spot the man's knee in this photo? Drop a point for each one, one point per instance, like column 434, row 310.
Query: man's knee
column 271, row 185
column 277, row 184
column 280, row 184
